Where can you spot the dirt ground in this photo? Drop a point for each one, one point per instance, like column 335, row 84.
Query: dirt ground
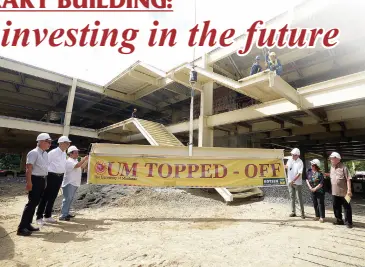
column 179, row 228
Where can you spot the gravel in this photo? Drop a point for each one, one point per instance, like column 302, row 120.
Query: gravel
column 280, row 194
column 95, row 196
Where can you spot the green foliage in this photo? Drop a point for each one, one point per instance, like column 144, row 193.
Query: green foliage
column 356, row 165
column 9, row 161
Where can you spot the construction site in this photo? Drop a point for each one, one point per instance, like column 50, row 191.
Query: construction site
column 317, row 105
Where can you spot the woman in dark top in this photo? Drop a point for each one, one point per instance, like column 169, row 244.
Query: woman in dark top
column 315, row 181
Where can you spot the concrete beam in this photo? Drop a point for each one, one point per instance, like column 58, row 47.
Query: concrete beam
column 288, row 92
column 337, row 92
column 242, row 86
column 51, row 128
column 66, row 80
column 182, row 79
column 28, row 125
column 346, row 90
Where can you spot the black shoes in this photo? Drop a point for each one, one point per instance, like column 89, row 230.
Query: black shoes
column 23, row 232
column 27, row 231
column 32, row 229
column 339, row 222
column 70, row 216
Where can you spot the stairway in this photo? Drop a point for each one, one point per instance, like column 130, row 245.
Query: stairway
column 156, row 133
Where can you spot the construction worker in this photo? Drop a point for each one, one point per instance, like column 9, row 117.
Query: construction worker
column 256, row 66
column 71, row 181
column 56, row 170
column 134, row 113
column 273, row 63
column 36, row 174
column 295, row 171
column 341, row 188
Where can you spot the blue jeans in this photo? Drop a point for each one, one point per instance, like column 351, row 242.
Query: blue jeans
column 69, row 192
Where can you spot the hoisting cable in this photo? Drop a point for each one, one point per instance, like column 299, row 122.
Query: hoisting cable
column 192, row 80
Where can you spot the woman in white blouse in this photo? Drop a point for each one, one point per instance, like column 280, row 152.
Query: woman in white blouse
column 71, row 181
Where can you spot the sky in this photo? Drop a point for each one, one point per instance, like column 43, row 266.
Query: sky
column 101, row 64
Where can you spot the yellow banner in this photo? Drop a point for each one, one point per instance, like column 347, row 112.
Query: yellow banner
column 185, row 172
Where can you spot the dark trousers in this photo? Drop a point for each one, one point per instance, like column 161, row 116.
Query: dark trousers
column 34, row 196
column 318, row 204
column 53, row 186
column 338, row 202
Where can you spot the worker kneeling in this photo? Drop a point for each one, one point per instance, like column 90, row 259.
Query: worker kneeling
column 71, row 181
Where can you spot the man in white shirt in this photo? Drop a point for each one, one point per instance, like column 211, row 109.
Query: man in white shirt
column 36, row 173
column 294, row 167
column 56, row 170
column 71, row 181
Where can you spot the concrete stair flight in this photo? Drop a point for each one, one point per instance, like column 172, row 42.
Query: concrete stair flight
column 157, row 134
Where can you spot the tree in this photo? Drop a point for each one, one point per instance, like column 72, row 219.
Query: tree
column 355, row 165
column 9, row 161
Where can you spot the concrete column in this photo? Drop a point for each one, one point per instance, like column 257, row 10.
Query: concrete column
column 206, row 135
column 69, row 106
column 233, row 139
column 206, row 109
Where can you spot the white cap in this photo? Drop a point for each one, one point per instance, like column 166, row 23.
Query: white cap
column 43, row 137
column 63, row 139
column 335, row 155
column 72, row 149
column 316, row 162
column 295, row 151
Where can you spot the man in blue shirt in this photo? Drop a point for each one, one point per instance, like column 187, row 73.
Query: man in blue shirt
column 256, row 67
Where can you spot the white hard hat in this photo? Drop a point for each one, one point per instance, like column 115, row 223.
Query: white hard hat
column 335, row 155
column 272, row 54
column 43, row 137
column 63, row 139
column 72, row 149
column 315, row 162
column 295, row 151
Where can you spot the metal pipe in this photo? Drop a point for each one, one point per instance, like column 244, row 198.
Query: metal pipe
column 191, row 130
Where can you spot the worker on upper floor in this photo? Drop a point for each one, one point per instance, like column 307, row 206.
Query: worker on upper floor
column 134, row 115
column 256, row 66
column 273, row 63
